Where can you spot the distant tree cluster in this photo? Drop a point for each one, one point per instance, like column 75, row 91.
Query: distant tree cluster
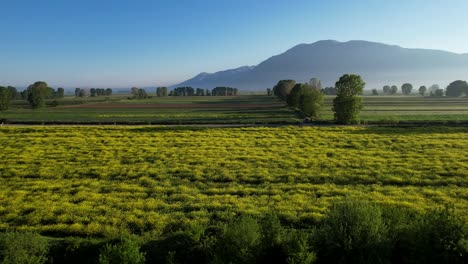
column 306, row 98
column 283, row 88
column 138, row 93
column 329, row 90
column 390, row 90
column 161, row 91
column 224, row 91
column 218, row 91
column 93, row 92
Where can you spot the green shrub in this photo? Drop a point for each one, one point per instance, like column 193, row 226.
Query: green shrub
column 299, row 249
column 24, row 248
column 125, row 252
column 354, row 232
column 239, row 242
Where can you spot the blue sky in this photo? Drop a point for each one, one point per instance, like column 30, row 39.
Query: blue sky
column 102, row 43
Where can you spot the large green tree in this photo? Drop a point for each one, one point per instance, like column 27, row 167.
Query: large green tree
column 283, row 88
column 37, row 93
column 4, row 98
column 311, row 102
column 347, row 105
column 406, row 88
column 14, row 94
column 393, row 90
column 457, row 88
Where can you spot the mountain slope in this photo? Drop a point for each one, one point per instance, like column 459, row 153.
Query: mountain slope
column 378, row 63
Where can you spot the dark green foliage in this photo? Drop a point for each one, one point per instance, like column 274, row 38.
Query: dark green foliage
column 283, row 88
column 393, row 90
column 36, row 94
column 14, row 94
column 127, row 251
column 347, row 105
column 374, row 92
column 224, row 91
column 386, row 89
column 25, row 248
column 292, row 99
column 311, row 102
column 438, row 93
column 422, row 90
column 457, row 88
column 239, row 242
column 439, row 236
column 183, row 91
column 347, row 109
column 329, row 90
column 299, row 248
column 306, row 99
column 161, row 91
column 4, row 98
column 354, row 232
column 406, row 88
column 269, row 91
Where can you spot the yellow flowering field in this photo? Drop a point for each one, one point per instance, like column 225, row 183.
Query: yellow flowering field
column 100, row 180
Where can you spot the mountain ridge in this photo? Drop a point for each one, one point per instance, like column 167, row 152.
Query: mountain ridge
column 378, row 63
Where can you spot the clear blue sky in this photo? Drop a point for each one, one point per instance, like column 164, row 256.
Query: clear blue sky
column 116, row 43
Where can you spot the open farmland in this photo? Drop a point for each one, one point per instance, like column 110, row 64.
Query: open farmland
column 244, row 109
column 98, row 181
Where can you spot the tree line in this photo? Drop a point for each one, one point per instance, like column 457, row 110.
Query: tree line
column 352, row 231
column 455, row 89
column 35, row 94
column 307, row 98
column 93, row 92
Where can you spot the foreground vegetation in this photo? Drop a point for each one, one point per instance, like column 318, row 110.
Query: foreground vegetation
column 352, row 231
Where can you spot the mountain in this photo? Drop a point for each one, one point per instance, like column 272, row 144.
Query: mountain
column 379, row 64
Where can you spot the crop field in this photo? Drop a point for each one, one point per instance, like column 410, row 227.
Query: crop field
column 98, row 181
column 244, row 109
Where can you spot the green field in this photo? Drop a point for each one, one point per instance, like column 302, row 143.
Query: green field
column 244, row 109
column 97, row 181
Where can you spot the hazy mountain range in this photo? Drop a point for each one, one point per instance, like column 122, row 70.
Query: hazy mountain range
column 379, row 64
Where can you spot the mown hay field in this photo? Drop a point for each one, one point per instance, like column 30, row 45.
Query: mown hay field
column 98, row 181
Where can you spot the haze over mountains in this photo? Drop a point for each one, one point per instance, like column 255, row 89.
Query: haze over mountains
column 379, row 64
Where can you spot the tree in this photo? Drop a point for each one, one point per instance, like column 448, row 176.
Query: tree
column 37, row 93
column 347, row 105
column 77, row 92
column 315, row 84
column 14, row 94
column 108, row 91
column 283, row 88
column 386, row 89
column 60, row 92
column 141, row 94
column 422, row 90
column 433, row 88
column 393, row 90
column 269, row 92
column 92, row 92
column 161, row 91
column 311, row 102
column 457, row 88
column 406, row 88
column 294, row 96
column 134, row 92
column 329, row 90
column 4, row 98
column 374, row 92
column 438, row 93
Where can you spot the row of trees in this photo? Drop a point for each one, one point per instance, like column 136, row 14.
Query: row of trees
column 93, row 92
column 308, row 97
column 351, row 231
column 35, row 94
column 455, row 89
column 190, row 91
column 138, row 93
